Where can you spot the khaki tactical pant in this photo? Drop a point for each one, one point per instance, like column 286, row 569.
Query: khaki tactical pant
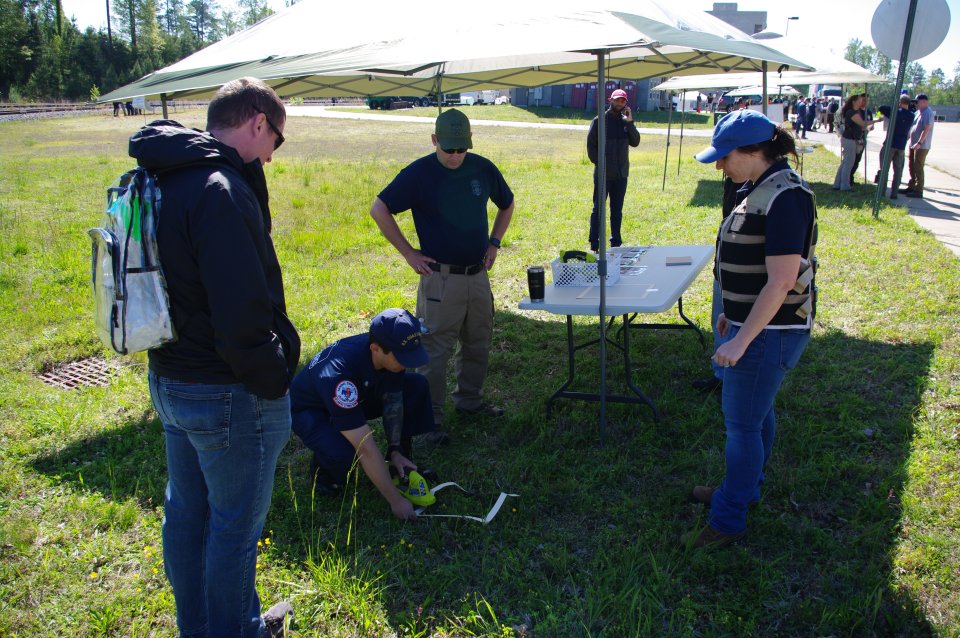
column 456, row 309
column 918, row 157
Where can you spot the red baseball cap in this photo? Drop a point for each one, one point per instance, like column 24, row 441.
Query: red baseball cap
column 618, row 94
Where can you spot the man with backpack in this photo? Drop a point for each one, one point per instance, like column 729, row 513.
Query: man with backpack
column 220, row 389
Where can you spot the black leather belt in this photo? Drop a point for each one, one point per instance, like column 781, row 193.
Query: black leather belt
column 457, row 270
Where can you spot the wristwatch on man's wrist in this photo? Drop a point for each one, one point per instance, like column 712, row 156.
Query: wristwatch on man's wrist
column 495, row 242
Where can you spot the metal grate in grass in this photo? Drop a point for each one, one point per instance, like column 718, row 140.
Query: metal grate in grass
column 93, row 372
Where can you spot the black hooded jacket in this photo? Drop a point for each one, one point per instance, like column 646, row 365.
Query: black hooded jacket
column 621, row 136
column 222, row 273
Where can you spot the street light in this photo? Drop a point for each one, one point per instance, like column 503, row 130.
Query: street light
column 787, row 32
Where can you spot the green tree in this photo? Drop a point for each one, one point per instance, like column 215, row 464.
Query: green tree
column 253, row 11
column 201, row 16
column 151, row 39
column 915, row 74
column 125, row 16
column 171, row 16
column 15, row 53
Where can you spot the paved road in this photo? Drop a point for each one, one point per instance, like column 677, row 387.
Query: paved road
column 938, row 212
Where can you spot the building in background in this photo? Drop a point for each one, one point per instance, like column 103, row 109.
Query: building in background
column 749, row 22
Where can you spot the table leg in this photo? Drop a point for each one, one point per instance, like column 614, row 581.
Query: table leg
column 666, row 326
column 628, row 373
column 571, row 350
column 564, row 393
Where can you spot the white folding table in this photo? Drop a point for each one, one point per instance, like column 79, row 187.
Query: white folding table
column 652, row 279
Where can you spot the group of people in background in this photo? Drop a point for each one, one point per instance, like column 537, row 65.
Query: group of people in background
column 126, row 108
column 811, row 114
column 911, row 135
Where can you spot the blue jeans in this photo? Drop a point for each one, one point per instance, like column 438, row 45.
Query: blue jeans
column 222, row 448
column 749, row 390
column 335, row 454
column 617, row 191
column 716, row 307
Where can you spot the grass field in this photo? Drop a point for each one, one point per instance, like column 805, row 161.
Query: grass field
column 857, row 533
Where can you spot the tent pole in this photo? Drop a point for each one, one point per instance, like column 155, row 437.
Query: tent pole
column 437, row 85
column 683, row 120
column 601, row 205
column 763, row 96
column 666, row 155
column 163, row 104
column 887, row 143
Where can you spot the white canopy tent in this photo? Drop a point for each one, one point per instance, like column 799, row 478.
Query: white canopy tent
column 828, row 68
column 317, row 48
column 755, row 89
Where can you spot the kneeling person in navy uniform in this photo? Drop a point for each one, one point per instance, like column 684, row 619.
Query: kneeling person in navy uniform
column 354, row 380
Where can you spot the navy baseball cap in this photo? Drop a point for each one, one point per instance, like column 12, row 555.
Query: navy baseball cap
column 400, row 332
column 740, row 128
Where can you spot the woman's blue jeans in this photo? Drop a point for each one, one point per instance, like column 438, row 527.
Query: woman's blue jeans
column 716, row 307
column 222, row 448
column 749, row 390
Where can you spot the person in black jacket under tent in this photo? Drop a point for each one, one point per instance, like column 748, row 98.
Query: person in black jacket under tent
column 220, row 389
column 621, row 133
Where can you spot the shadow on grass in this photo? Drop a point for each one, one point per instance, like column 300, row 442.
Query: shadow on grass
column 709, row 192
column 121, row 463
column 590, row 547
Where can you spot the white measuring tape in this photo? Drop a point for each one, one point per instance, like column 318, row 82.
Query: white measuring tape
column 485, row 520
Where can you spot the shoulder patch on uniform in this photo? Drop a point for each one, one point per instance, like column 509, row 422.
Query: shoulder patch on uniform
column 345, row 395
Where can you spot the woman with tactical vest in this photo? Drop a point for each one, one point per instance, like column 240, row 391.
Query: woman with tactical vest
column 765, row 266
column 851, row 140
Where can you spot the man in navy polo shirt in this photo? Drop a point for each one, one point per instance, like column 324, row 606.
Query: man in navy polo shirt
column 898, row 145
column 354, row 380
column 447, row 191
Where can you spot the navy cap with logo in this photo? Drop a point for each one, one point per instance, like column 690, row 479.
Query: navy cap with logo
column 740, row 128
column 400, row 332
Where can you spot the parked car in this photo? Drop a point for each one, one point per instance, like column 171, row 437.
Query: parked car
column 728, row 102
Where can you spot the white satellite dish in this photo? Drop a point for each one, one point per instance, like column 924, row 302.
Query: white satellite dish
column 930, row 26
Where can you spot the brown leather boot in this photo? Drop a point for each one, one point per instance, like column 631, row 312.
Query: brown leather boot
column 709, row 536
column 701, row 494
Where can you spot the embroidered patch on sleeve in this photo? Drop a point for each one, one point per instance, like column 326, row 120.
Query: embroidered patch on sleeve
column 345, row 395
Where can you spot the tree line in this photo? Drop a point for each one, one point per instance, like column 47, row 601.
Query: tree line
column 938, row 87
column 44, row 56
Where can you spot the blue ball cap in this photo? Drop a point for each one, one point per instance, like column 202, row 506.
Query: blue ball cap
column 400, row 332
column 740, row 128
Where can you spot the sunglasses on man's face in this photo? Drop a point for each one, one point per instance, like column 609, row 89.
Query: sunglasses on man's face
column 280, row 139
column 454, row 151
